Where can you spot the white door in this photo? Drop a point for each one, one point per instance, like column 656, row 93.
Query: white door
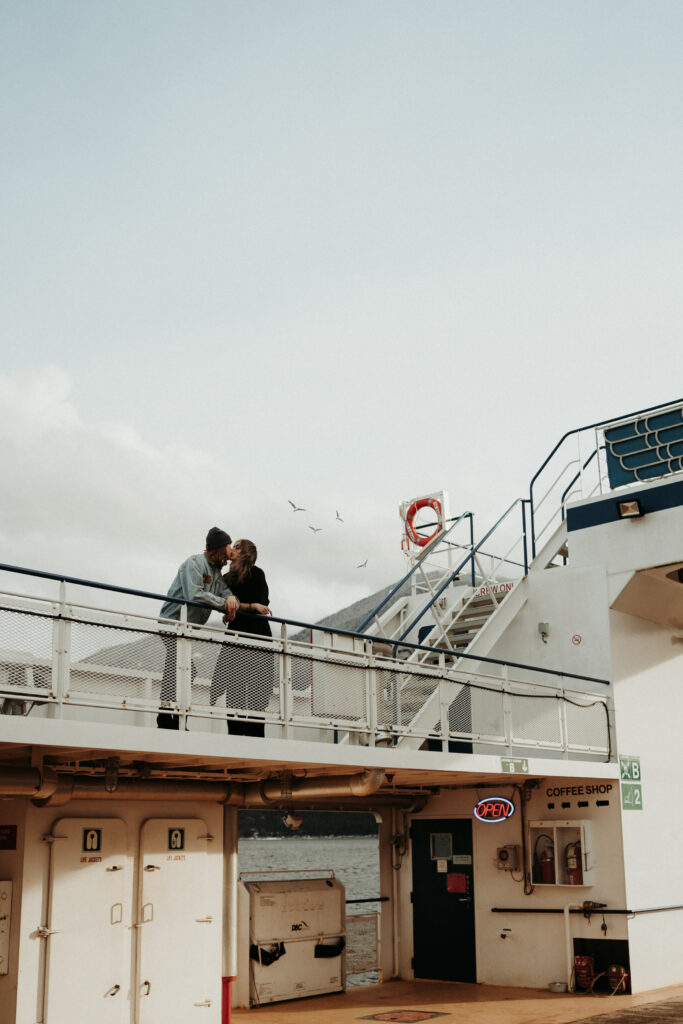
column 88, row 944
column 175, row 929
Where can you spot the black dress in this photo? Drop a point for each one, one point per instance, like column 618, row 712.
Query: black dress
column 246, row 676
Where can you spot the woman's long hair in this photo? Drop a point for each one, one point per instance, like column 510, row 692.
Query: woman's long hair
column 242, row 561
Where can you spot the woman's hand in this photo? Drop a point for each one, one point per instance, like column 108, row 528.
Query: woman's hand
column 262, row 609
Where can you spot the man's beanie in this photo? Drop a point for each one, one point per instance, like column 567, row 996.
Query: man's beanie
column 216, row 538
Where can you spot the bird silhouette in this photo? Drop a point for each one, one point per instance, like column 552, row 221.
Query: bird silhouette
column 296, row 508
column 339, row 518
column 316, row 529
column 362, row 564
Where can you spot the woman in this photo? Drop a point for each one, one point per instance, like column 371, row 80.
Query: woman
column 244, row 674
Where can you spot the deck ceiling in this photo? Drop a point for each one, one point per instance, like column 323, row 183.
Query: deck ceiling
column 89, row 760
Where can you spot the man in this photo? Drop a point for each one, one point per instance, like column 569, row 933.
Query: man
column 198, row 579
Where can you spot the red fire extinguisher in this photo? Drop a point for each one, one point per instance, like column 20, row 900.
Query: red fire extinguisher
column 547, row 862
column 572, row 854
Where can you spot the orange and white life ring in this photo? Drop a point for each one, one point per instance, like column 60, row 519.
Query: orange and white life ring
column 413, row 536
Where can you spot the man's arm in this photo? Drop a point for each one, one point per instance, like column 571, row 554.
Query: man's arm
column 194, row 589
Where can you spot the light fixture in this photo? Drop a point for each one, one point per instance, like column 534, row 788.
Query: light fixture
column 292, row 821
column 631, row 509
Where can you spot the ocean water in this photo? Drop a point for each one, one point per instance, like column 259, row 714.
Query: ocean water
column 355, row 862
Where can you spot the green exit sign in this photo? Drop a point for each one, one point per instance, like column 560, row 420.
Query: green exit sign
column 515, row 766
column 629, row 768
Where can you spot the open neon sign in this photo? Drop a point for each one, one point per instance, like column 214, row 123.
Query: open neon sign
column 494, row 808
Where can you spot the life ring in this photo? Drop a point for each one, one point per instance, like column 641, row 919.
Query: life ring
column 413, row 536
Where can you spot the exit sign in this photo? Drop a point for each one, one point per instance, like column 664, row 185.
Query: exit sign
column 515, row 766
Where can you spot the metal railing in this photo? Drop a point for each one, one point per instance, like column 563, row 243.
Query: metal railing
column 446, row 625
column 560, row 480
column 63, row 659
column 421, row 567
column 581, row 453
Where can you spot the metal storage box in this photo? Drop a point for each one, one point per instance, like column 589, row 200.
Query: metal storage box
column 296, row 938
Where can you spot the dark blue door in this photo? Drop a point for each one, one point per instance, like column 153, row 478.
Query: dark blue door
column 443, row 900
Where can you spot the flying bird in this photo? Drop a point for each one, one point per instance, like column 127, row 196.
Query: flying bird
column 316, row 529
column 362, row 564
column 296, row 508
column 339, row 518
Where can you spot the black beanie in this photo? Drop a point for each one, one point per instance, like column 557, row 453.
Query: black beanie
column 216, row 538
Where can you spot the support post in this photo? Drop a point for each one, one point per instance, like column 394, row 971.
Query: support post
column 230, row 873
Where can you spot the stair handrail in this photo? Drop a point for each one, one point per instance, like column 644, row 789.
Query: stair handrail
column 470, row 557
column 613, row 420
column 430, row 551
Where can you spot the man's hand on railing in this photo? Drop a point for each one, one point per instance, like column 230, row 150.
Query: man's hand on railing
column 231, row 606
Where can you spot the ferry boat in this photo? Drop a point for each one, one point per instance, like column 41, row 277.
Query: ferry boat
column 510, row 710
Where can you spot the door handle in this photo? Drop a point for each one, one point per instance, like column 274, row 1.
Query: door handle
column 113, row 990
column 148, row 986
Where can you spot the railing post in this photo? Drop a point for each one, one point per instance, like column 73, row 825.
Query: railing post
column 507, row 711
column 183, row 671
column 285, row 684
column 443, row 703
column 371, row 694
column 61, row 654
column 524, row 539
column 564, row 729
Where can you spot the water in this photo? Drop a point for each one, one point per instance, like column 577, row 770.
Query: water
column 355, row 862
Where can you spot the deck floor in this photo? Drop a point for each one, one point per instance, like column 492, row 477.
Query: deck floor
column 469, row 1004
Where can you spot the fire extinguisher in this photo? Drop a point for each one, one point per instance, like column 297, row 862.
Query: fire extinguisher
column 572, row 856
column 546, row 860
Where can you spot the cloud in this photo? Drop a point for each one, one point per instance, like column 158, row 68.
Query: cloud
column 103, row 502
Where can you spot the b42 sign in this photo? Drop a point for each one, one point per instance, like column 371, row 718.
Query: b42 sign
column 494, row 808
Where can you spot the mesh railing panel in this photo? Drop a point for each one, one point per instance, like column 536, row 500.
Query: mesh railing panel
column 414, row 691
column 535, row 719
column 116, row 665
column 234, row 675
column 487, row 712
column 587, row 726
column 361, row 943
column 460, row 712
column 337, row 687
column 25, row 652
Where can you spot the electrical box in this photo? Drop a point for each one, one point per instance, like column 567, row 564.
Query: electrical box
column 5, row 921
column 561, row 853
column 296, row 938
column 508, row 858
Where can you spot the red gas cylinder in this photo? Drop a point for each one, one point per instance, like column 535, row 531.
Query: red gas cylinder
column 617, row 977
column 584, row 970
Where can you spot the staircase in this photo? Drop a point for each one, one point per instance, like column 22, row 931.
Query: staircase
column 452, row 619
column 449, row 618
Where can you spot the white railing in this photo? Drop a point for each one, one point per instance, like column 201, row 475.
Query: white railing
column 59, row 659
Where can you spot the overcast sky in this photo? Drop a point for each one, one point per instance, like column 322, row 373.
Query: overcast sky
column 341, row 252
